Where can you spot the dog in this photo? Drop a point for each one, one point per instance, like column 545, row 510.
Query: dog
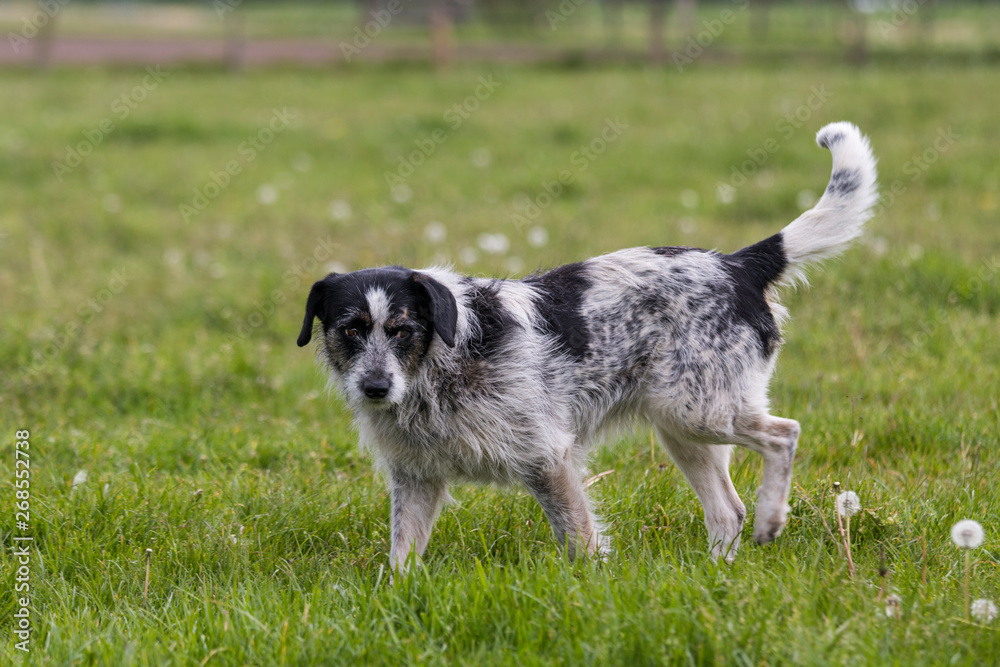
column 453, row 378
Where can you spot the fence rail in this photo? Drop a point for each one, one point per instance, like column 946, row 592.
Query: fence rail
column 240, row 33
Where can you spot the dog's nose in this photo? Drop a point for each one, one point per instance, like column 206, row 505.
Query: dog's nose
column 376, row 387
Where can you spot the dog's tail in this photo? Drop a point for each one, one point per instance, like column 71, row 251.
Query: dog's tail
column 837, row 219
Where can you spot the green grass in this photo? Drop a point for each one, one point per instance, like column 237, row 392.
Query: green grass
column 207, row 437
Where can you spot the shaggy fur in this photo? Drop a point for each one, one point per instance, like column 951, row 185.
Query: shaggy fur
column 453, row 378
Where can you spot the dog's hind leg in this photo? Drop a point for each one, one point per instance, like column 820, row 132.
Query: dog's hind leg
column 775, row 439
column 706, row 468
column 416, row 504
column 560, row 492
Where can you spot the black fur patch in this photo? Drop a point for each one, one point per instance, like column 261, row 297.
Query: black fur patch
column 494, row 320
column 832, row 140
column 844, row 181
column 673, row 251
column 751, row 271
column 561, row 291
column 340, row 293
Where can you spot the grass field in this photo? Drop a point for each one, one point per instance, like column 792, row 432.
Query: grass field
column 152, row 347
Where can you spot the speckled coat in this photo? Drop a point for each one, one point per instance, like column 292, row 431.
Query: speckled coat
column 452, row 378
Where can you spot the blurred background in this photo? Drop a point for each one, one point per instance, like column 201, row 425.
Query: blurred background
column 244, row 32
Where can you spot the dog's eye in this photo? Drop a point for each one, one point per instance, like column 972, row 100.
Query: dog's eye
column 351, row 333
column 402, row 334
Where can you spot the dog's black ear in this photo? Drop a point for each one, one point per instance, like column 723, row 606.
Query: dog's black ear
column 313, row 309
column 443, row 309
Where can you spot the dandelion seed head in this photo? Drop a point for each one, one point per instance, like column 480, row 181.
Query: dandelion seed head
column 893, row 606
column 984, row 611
column 690, row 199
column 494, row 244
column 725, row 193
column 806, row 199
column 967, row 534
column 401, row 193
column 481, row 157
column 340, row 210
column 267, row 194
column 435, row 232
column 848, row 504
column 537, row 237
column 468, row 255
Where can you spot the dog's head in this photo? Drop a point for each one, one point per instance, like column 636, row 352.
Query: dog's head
column 377, row 326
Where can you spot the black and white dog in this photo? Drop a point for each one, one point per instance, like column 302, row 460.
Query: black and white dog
column 452, row 378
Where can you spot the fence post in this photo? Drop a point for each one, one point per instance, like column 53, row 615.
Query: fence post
column 44, row 40
column 657, row 24
column 441, row 34
column 236, row 38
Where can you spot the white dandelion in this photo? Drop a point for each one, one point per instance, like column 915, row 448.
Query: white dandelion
column 725, row 193
column 494, row 244
column 537, row 237
column 690, row 199
column 481, row 157
column 967, row 534
column 112, row 203
column 984, row 611
column 267, row 194
column 435, row 232
column 468, row 256
column 401, row 193
column 301, row 162
column 515, row 265
column 848, row 504
column 805, row 199
column 340, row 210
column 893, row 606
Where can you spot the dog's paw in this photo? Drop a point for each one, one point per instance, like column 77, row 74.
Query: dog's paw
column 771, row 519
column 725, row 548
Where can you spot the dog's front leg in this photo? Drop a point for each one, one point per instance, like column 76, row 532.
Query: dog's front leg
column 559, row 490
column 416, row 504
